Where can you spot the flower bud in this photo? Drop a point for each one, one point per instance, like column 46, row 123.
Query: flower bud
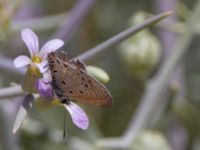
column 98, row 74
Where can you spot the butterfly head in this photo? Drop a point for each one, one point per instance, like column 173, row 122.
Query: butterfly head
column 51, row 55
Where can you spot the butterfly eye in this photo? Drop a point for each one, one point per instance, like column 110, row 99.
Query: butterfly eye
column 64, row 101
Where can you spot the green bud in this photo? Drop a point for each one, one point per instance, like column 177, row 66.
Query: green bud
column 141, row 52
column 98, row 73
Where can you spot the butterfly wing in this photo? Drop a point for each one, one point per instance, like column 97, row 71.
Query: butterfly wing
column 72, row 81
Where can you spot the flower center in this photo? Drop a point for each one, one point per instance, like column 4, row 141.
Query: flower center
column 36, row 59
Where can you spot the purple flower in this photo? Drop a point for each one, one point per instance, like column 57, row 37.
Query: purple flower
column 79, row 117
column 43, row 85
column 44, row 88
column 37, row 58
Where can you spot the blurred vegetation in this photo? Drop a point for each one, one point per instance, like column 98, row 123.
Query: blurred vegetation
column 129, row 65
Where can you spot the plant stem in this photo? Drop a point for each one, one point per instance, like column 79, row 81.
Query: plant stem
column 92, row 53
column 74, row 19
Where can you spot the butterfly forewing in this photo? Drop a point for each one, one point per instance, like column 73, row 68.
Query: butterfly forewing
column 72, row 82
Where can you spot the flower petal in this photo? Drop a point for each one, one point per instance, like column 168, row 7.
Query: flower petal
column 31, row 41
column 21, row 61
column 50, row 46
column 22, row 113
column 47, row 77
column 44, row 89
column 42, row 66
column 79, row 117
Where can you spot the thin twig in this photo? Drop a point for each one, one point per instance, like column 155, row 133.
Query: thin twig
column 74, row 19
column 121, row 37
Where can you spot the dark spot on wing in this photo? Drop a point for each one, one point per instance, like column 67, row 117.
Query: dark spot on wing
column 63, row 82
column 70, row 91
column 58, row 61
column 65, row 65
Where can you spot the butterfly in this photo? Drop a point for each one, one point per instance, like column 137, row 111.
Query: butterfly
column 70, row 81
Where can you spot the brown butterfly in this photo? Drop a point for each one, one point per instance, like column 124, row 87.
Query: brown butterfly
column 70, row 81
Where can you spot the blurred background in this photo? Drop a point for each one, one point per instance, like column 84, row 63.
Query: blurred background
column 131, row 65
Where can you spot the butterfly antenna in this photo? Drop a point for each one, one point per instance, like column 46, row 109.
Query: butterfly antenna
column 64, row 127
